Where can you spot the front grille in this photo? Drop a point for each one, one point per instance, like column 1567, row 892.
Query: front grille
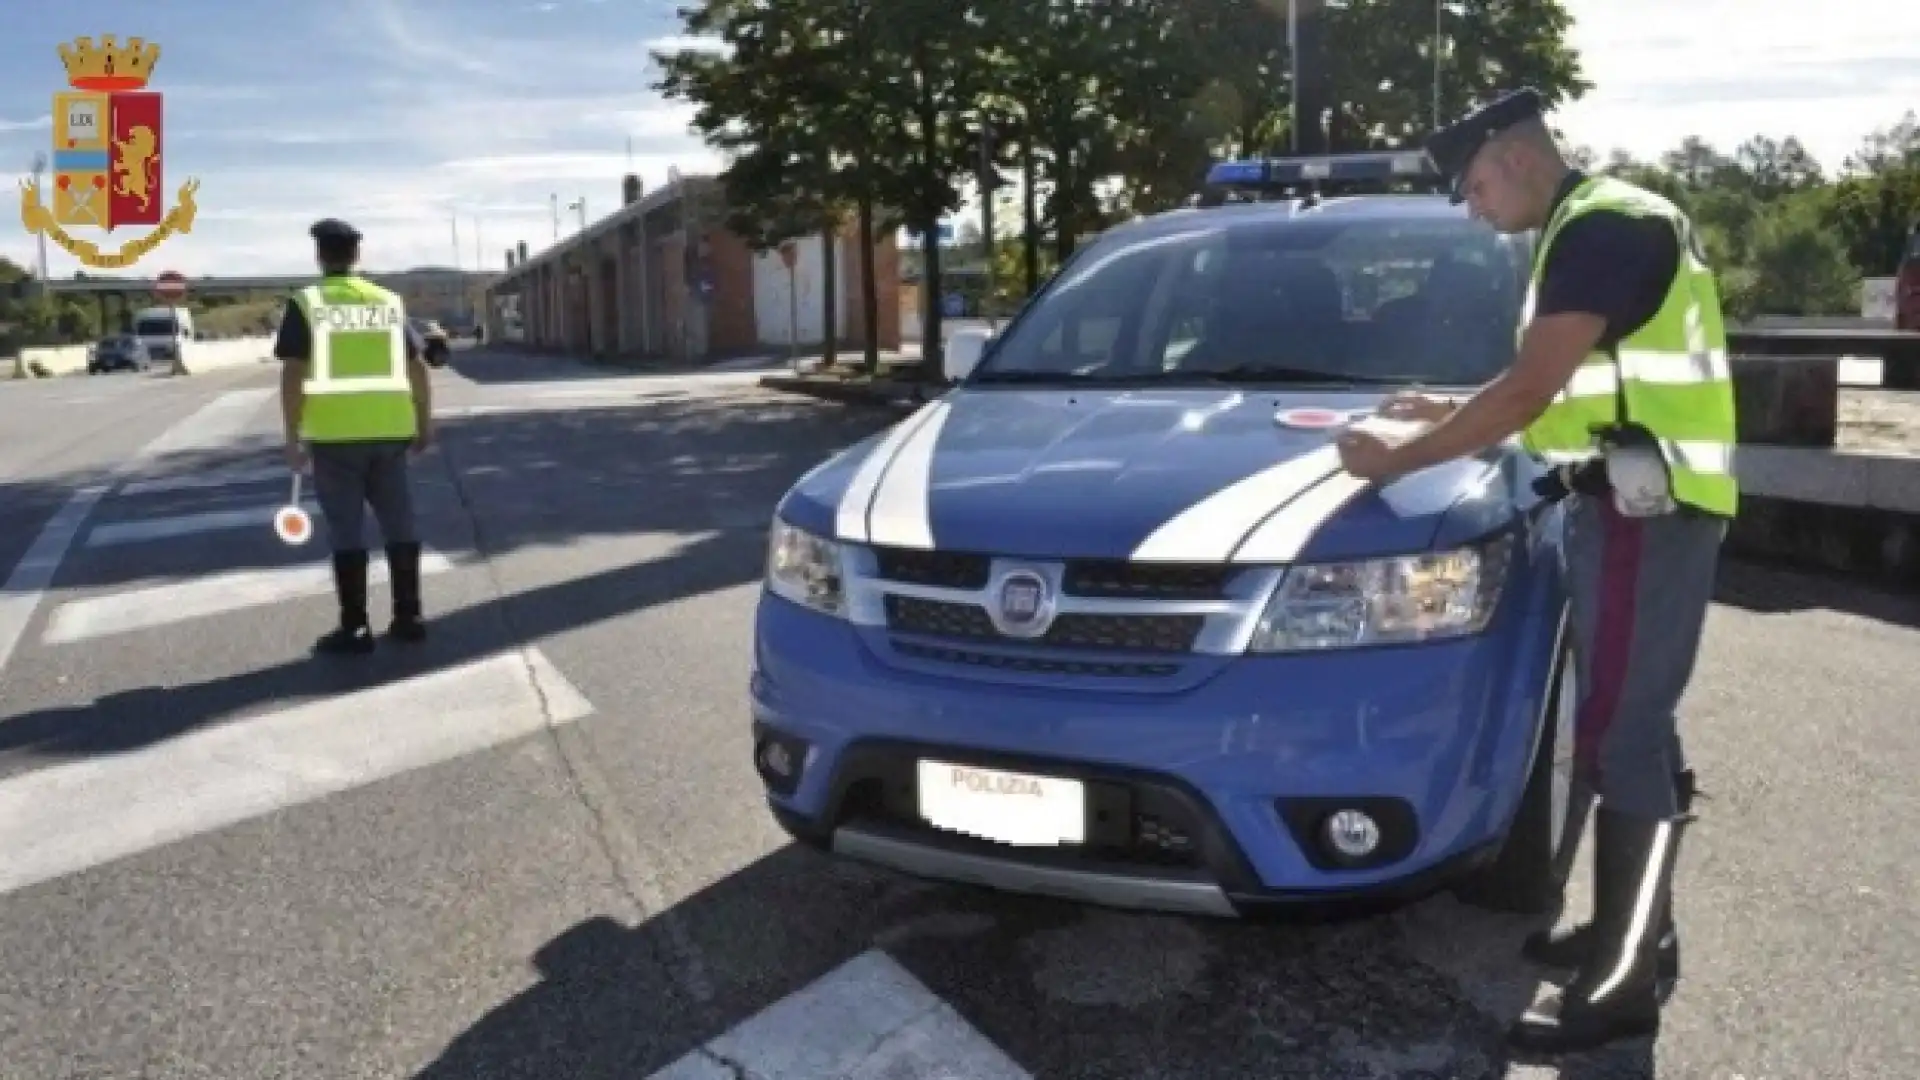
column 1074, row 630
column 939, row 569
column 1145, row 581
column 1102, row 578
column 1035, row 665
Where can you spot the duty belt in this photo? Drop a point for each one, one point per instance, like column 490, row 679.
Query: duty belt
column 1585, row 477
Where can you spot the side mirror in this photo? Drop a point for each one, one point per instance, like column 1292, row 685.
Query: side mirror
column 963, row 352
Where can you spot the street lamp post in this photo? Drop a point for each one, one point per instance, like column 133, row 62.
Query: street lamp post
column 40, row 170
column 580, row 204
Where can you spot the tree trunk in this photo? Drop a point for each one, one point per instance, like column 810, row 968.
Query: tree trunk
column 869, row 293
column 829, row 295
column 1029, row 214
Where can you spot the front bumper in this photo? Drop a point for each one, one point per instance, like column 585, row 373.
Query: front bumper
column 1204, row 801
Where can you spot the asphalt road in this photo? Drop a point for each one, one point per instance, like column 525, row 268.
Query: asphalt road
column 533, row 847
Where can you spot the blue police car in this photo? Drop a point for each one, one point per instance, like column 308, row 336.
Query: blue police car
column 1107, row 621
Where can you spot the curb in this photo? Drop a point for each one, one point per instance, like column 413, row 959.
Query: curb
column 896, row 395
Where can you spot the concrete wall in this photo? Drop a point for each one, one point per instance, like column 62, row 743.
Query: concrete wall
column 201, row 356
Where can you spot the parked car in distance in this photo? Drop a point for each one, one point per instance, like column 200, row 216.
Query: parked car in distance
column 120, row 352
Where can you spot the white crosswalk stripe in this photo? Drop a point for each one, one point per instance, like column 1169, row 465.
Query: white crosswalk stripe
column 868, row 1019
column 71, row 816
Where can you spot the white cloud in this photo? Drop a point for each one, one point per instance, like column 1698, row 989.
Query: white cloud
column 1726, row 70
column 673, row 43
column 38, row 123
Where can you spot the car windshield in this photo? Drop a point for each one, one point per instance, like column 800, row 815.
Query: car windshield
column 153, row 327
column 1320, row 299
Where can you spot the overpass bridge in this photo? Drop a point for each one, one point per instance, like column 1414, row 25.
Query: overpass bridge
column 447, row 295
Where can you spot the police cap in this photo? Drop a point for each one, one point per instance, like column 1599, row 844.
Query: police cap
column 1453, row 147
column 335, row 230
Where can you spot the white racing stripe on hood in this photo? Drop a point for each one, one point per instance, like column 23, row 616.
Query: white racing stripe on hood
column 850, row 519
column 1282, row 537
column 901, row 515
column 1210, row 530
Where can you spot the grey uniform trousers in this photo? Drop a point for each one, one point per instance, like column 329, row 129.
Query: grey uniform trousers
column 1640, row 589
column 350, row 476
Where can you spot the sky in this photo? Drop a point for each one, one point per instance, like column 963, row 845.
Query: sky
column 412, row 118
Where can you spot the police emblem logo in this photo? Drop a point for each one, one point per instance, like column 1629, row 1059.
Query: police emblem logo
column 108, row 156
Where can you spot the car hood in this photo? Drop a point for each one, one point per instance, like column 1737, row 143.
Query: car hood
column 1186, row 475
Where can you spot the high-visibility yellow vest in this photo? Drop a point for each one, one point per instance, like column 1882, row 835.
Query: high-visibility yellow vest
column 356, row 385
column 1670, row 376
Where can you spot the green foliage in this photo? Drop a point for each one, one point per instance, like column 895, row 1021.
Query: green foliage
column 1784, row 238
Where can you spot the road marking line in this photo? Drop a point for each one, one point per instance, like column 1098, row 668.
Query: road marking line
column 31, row 576
column 197, row 481
column 78, row 815
column 869, row 1019
column 166, row 528
column 29, row 580
column 219, row 422
column 178, row 601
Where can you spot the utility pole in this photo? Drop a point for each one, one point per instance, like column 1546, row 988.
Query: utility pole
column 454, row 221
column 986, row 213
column 554, row 199
column 1439, row 8
column 40, row 170
column 1293, row 61
column 580, row 204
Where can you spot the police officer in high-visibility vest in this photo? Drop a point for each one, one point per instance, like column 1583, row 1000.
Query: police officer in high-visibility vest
column 356, row 399
column 1621, row 384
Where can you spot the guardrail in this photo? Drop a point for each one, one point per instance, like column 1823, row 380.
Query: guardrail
column 200, row 356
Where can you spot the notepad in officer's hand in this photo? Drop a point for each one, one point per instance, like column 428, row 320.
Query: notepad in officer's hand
column 1389, row 430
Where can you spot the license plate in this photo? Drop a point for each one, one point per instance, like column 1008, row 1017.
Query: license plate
column 1011, row 808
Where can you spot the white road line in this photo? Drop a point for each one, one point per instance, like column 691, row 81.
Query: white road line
column 218, row 423
column 166, row 528
column 200, row 481
column 869, row 1019
column 178, row 601
column 77, row 815
column 29, row 580
column 34, row 572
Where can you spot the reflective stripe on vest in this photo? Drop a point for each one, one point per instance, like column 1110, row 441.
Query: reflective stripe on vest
column 1670, row 376
column 356, row 385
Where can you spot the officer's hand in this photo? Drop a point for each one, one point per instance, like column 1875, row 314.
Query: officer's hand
column 1366, row 455
column 1412, row 405
column 296, row 457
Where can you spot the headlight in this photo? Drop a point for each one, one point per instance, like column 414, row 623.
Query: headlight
column 1393, row 601
column 805, row 569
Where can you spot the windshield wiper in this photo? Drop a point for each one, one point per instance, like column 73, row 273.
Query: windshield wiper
column 1253, row 373
column 1043, row 377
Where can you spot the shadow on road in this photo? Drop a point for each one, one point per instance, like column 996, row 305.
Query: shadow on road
column 1063, row 990
column 1772, row 589
column 706, row 473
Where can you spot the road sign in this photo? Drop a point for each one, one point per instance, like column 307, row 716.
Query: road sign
column 170, row 286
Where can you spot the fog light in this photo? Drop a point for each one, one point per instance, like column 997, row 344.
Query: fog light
column 779, row 761
column 1352, row 833
column 776, row 759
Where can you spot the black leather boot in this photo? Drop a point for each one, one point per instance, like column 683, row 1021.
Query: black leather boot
column 350, row 585
column 403, row 564
column 1615, row 995
column 1569, row 948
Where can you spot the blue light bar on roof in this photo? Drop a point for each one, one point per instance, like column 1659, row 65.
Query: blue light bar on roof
column 1376, row 165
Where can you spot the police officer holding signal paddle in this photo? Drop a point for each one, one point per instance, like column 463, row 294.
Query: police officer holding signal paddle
column 354, row 388
column 1621, row 384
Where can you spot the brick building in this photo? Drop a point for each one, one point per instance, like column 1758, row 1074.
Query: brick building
column 627, row 286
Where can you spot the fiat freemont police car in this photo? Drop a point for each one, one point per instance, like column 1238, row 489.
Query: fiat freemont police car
column 1107, row 620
